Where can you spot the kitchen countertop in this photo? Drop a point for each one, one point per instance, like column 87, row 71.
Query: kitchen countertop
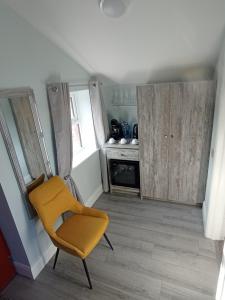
column 120, row 146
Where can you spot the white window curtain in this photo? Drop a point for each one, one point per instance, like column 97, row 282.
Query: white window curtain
column 101, row 126
column 59, row 103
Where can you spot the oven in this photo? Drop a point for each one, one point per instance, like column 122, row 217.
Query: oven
column 124, row 173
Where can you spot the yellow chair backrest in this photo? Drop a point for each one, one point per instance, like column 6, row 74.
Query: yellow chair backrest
column 51, row 199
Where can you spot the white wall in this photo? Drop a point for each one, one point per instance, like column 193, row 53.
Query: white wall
column 7, row 225
column 28, row 59
column 87, row 176
column 214, row 204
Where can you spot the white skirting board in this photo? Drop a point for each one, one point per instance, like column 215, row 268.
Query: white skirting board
column 34, row 270
column 23, row 270
column 94, row 197
column 42, row 261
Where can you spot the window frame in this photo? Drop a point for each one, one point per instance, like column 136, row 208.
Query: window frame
column 76, row 116
column 75, row 121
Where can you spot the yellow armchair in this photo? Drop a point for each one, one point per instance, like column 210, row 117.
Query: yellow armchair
column 79, row 233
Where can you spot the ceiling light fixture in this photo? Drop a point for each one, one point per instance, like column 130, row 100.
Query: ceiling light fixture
column 112, row 8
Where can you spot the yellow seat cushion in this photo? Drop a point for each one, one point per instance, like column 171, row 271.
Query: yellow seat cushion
column 83, row 232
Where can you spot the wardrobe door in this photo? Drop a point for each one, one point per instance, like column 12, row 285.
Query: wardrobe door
column 175, row 140
column 191, row 118
column 153, row 119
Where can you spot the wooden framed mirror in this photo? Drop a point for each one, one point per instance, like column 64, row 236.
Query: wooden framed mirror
column 22, row 133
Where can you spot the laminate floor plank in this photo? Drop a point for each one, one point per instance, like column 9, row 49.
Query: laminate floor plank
column 137, row 222
column 160, row 254
column 170, row 291
column 182, row 274
column 151, row 236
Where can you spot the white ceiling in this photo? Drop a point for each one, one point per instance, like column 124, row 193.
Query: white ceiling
column 153, row 40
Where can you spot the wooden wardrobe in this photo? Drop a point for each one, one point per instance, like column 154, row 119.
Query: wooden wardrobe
column 175, row 126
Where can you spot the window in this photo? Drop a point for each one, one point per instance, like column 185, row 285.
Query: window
column 83, row 135
column 76, row 137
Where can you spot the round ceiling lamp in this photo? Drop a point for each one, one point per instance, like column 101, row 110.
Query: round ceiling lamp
column 112, row 8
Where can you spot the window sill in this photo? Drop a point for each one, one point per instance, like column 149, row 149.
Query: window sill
column 82, row 156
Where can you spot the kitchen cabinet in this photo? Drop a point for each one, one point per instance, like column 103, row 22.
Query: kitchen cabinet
column 123, row 168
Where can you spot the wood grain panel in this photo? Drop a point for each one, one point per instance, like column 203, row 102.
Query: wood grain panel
column 183, row 112
column 153, row 108
column 191, row 117
column 28, row 135
column 124, row 154
column 207, row 120
column 175, row 140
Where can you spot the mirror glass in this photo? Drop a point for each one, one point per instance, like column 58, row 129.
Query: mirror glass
column 23, row 136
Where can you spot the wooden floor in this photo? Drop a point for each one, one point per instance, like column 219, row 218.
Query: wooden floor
column 160, row 253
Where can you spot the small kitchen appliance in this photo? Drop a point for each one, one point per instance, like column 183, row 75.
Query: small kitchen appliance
column 116, row 130
column 135, row 131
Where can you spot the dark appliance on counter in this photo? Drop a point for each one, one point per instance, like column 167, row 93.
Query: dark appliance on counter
column 125, row 173
column 125, row 129
column 135, row 131
column 116, row 130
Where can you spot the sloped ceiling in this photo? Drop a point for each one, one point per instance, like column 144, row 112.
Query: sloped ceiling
column 154, row 39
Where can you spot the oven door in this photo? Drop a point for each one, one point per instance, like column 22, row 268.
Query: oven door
column 124, row 173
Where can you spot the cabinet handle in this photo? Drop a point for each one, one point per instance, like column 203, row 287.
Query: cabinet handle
column 172, row 136
column 122, row 154
column 165, row 136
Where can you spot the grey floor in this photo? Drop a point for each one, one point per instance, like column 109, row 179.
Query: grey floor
column 160, row 253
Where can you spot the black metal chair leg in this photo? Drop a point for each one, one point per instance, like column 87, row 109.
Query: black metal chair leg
column 87, row 273
column 56, row 257
column 108, row 241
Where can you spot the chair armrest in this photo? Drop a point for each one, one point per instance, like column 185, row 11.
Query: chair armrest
column 89, row 211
